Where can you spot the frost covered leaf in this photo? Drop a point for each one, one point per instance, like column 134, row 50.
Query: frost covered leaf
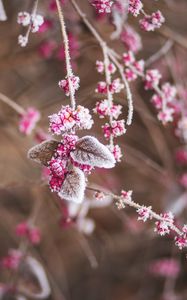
column 74, row 186
column 3, row 16
column 89, row 151
column 42, row 153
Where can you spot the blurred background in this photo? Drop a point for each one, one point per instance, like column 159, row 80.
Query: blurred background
column 118, row 260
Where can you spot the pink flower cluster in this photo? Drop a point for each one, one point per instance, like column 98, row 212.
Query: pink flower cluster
column 163, row 226
column 28, row 120
column 64, row 84
column 131, row 39
column 181, row 240
column 126, row 196
column 106, row 108
column 135, row 7
column 144, row 213
column 115, row 128
column 68, row 119
column 115, row 87
column 133, row 68
column 102, row 6
column 164, row 99
column 12, row 260
column 152, row 22
column 103, row 109
column 25, row 19
column 25, row 230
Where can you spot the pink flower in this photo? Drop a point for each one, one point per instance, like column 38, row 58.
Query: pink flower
column 55, row 183
column 12, row 260
column 116, row 86
column 135, row 7
column 101, row 87
column 126, row 196
column 163, row 226
column 128, row 58
column 64, row 84
column 116, row 151
column 28, row 120
column 102, row 6
column 166, row 267
column 152, row 78
column 166, row 115
column 34, row 236
column 152, row 22
column 181, row 156
column 24, row 18
column 116, row 128
column 100, row 67
column 68, row 119
column 144, row 213
column 181, row 241
column 47, row 48
column 102, row 109
column 66, row 146
column 131, row 39
column 58, row 167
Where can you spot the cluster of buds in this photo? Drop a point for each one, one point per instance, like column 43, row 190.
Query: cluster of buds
column 12, row 260
column 152, row 22
column 106, row 108
column 102, row 6
column 69, row 119
column 34, row 21
column 28, row 120
column 164, row 99
column 149, row 22
column 64, row 84
column 32, row 234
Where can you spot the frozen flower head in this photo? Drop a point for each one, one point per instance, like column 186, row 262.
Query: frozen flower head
column 144, row 213
column 135, row 7
column 152, row 78
column 104, row 109
column 64, row 84
column 126, row 196
column 22, row 40
column 116, row 128
column 163, row 226
column 24, row 18
column 166, row 115
column 36, row 22
column 131, row 39
column 28, row 120
column 102, row 6
column 68, row 119
column 152, row 22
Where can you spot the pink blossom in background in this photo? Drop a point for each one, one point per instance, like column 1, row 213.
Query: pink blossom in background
column 131, row 39
column 12, row 260
column 166, row 267
column 181, row 156
column 28, row 120
column 46, row 49
column 152, row 22
column 102, row 6
column 33, row 234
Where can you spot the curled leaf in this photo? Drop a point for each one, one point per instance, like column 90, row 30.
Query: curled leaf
column 42, row 153
column 90, row 151
column 3, row 16
column 73, row 186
